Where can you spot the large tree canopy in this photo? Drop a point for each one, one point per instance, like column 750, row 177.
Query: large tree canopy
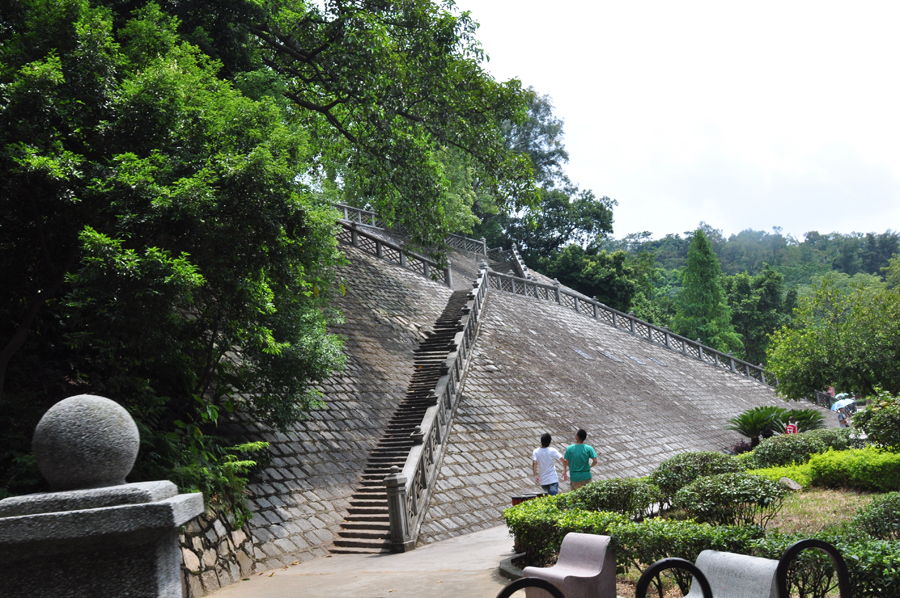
column 849, row 339
column 157, row 246
column 385, row 89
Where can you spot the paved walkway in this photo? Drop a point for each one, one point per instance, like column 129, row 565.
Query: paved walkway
column 462, row 566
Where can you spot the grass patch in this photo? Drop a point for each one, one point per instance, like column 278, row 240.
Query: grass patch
column 817, row 510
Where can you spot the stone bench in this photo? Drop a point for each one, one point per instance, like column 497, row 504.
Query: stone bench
column 586, row 568
column 728, row 575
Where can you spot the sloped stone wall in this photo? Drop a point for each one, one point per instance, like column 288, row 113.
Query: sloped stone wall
column 541, row 368
column 299, row 501
column 215, row 553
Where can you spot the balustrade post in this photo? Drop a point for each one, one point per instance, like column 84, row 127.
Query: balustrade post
column 426, row 269
column 762, row 374
column 379, row 249
column 448, row 275
column 402, row 259
column 395, row 484
column 346, row 215
column 354, row 235
column 631, row 321
column 596, row 308
column 666, row 334
column 731, row 361
column 483, row 245
column 699, row 350
column 558, row 297
column 649, row 332
column 615, row 320
column 576, row 304
column 716, row 357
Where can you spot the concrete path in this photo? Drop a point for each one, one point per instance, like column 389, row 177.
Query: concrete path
column 462, row 566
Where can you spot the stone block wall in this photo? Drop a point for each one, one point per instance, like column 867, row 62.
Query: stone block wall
column 542, row 368
column 300, row 499
column 215, row 553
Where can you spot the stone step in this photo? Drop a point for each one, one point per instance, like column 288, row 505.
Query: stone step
column 369, row 525
column 350, row 550
column 368, row 510
column 359, row 543
column 368, row 519
column 364, row 534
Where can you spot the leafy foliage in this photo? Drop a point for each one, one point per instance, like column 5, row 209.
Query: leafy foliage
column 763, row 421
column 631, row 497
column 798, row 448
column 798, row 473
column 869, row 468
column 680, row 470
column 759, row 306
column 880, row 420
column 846, row 339
column 881, row 517
column 158, row 247
column 702, row 310
column 606, row 276
column 731, row 499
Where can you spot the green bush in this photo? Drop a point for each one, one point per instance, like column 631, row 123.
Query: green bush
column 798, row 473
column 881, row 518
column 764, row 421
column 539, row 525
column 631, row 497
column 731, row 499
column 638, row 545
column 870, row 468
column 677, row 472
column 798, row 448
column 872, row 564
column 881, row 420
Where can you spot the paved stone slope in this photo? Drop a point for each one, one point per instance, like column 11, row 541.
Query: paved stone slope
column 541, row 368
column 302, row 497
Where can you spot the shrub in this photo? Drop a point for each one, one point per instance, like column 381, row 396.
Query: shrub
column 762, row 421
column 638, row 545
column 870, row 468
column 739, row 448
column 881, row 420
column 539, row 525
column 732, row 499
column 798, row 473
column 677, row 472
column 798, row 448
column 881, row 518
column 787, row 449
column 631, row 497
column 872, row 564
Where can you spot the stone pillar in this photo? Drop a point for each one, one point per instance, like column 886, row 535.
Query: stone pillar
column 556, row 289
column 354, row 235
column 448, row 275
column 93, row 535
column 631, row 321
column 395, row 483
column 699, row 350
column 762, row 374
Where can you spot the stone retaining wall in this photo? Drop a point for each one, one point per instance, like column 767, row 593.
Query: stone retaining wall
column 215, row 553
column 541, row 368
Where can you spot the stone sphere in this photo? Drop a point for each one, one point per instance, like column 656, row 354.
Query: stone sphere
column 84, row 442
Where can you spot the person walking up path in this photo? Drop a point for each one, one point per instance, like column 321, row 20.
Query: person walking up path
column 543, row 464
column 579, row 459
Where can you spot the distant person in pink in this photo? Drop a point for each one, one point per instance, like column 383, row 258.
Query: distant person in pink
column 543, row 464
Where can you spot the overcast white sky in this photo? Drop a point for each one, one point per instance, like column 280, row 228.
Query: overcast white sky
column 744, row 115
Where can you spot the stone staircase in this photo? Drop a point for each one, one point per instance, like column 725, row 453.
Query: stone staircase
column 366, row 528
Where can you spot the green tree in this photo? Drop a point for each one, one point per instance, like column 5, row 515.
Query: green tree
column 158, row 248
column 607, row 276
column 846, row 338
column 758, row 308
column 702, row 311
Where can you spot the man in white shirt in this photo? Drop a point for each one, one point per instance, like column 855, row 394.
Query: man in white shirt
column 543, row 464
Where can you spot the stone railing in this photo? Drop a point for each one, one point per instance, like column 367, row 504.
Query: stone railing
column 373, row 220
column 510, row 256
column 627, row 322
column 409, row 490
column 350, row 234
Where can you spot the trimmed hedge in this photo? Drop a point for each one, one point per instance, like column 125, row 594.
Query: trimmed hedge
column 881, row 517
column 798, row 473
column 631, row 497
column 676, row 472
column 732, row 499
column 798, row 448
column 870, row 468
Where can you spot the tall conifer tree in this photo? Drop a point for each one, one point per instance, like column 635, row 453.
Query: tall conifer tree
column 702, row 311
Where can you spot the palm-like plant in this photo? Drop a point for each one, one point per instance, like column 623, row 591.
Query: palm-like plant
column 806, row 419
column 759, row 421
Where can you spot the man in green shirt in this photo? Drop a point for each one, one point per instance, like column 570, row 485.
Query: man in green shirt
column 579, row 458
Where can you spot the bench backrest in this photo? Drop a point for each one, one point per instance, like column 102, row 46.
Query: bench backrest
column 583, row 551
column 736, row 575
